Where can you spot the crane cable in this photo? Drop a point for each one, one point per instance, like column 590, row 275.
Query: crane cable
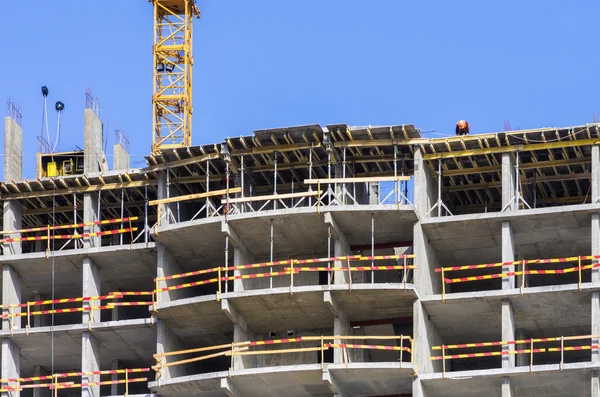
column 52, row 287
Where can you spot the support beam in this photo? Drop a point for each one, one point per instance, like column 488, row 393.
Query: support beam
column 167, row 341
column 341, row 327
column 508, row 182
column 507, row 390
column 241, row 256
column 13, row 170
column 332, row 383
column 508, row 333
column 11, row 294
column 229, row 388
column 508, row 254
column 93, row 154
column 425, row 194
column 241, row 333
column 167, row 265
column 90, row 361
column 233, row 314
column 341, row 247
column 92, row 284
column 11, row 363
column 91, row 214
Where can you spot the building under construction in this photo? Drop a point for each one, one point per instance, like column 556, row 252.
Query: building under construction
column 304, row 261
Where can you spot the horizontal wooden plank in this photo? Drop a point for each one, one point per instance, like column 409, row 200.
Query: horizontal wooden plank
column 194, row 196
column 357, row 180
column 271, row 197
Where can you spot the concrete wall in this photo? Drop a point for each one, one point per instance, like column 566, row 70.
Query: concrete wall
column 92, row 140
column 13, row 170
column 121, row 159
column 425, row 337
column 426, row 280
column 166, row 265
column 167, row 341
column 425, row 187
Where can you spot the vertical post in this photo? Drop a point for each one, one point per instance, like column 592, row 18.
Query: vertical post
column 271, row 256
column 242, row 174
column 396, row 183
column 122, row 213
column 208, row 188
column 274, row 178
column 226, row 263
column 343, row 200
column 329, row 254
column 439, row 203
column 77, row 241
column 310, row 164
column 146, row 215
column 517, row 193
column 372, row 247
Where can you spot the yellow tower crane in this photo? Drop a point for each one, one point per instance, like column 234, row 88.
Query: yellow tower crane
column 173, row 61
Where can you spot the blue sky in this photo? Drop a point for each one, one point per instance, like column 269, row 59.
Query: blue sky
column 272, row 63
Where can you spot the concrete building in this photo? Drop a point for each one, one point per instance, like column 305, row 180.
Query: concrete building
column 309, row 261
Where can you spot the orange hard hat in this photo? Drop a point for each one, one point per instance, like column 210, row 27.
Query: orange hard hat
column 462, row 124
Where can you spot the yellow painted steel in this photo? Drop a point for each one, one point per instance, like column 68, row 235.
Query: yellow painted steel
column 173, row 61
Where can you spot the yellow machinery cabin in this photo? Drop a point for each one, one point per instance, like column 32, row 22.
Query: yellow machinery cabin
column 60, row 164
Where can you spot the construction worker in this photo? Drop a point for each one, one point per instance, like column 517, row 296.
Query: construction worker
column 462, row 128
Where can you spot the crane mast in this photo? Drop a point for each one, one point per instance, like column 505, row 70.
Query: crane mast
column 172, row 82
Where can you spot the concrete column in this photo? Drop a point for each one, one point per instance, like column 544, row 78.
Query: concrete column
column 92, row 137
column 508, row 254
column 242, row 256
column 341, row 247
column 13, row 167
column 507, row 390
column 595, row 174
column 11, row 294
column 508, row 333
column 425, row 279
column 120, row 157
column 90, row 361
column 167, row 266
column 114, row 389
column 425, row 337
column 90, row 214
column 167, row 341
column 508, row 181
column 241, row 333
column 11, row 362
column 92, row 284
column 595, row 325
column 373, row 190
column 595, row 383
column 37, row 320
column 341, row 327
column 596, row 245
column 425, row 186
column 417, row 388
column 521, row 360
column 40, row 392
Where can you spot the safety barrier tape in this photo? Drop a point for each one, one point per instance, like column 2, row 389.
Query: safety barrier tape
column 519, row 273
column 510, row 352
column 286, row 262
column 485, row 344
column 65, row 300
column 275, row 341
column 511, row 263
column 103, row 383
column 74, row 225
column 133, row 293
column 69, row 236
column 369, row 347
column 361, row 268
column 130, row 304
column 71, row 374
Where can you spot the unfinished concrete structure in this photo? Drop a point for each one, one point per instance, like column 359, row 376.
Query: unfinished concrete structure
column 309, row 261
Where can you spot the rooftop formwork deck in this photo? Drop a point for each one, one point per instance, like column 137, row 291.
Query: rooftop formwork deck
column 319, row 241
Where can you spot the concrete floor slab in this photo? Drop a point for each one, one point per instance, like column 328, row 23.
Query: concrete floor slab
column 299, row 233
column 545, row 381
column 201, row 321
column 130, row 341
column 372, row 379
column 122, row 267
column 539, row 233
column 541, row 311
column 354, row 380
